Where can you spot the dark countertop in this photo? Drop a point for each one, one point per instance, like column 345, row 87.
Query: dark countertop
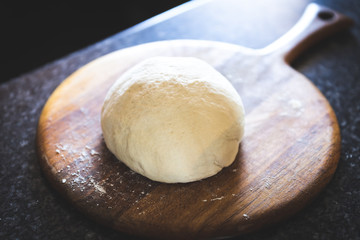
column 31, row 209
column 34, row 33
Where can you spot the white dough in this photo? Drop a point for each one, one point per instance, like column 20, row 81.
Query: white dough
column 173, row 119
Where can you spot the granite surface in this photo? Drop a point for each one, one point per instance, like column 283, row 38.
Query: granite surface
column 31, row 209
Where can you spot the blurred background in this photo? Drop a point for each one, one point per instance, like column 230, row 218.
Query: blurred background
column 34, row 33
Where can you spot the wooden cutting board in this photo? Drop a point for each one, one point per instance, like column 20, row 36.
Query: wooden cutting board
column 289, row 153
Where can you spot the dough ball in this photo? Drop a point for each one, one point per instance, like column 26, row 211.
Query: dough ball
column 173, row 119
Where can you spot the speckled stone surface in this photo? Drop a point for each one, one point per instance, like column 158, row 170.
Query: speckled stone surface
column 31, row 209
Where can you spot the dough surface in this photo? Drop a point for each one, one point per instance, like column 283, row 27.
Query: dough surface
column 173, row 119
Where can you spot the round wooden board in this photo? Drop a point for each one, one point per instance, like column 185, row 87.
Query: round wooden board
column 289, row 152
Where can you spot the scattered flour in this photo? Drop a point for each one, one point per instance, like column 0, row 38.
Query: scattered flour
column 93, row 152
column 99, row 188
column 217, row 199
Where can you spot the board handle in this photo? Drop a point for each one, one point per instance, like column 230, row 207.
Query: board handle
column 316, row 23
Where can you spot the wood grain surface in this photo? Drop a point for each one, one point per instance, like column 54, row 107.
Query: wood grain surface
column 289, row 153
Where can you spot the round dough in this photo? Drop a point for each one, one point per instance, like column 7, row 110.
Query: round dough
column 173, row 119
